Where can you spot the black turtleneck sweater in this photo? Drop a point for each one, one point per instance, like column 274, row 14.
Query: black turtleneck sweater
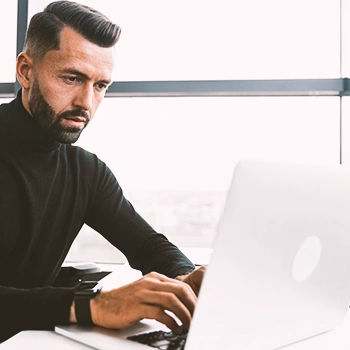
column 48, row 191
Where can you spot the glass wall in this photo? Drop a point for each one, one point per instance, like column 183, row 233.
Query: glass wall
column 8, row 35
column 175, row 156
column 226, row 39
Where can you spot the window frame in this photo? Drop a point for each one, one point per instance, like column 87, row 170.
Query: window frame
column 338, row 87
column 282, row 87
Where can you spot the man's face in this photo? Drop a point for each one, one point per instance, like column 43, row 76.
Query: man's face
column 67, row 86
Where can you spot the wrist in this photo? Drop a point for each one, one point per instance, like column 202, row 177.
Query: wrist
column 84, row 294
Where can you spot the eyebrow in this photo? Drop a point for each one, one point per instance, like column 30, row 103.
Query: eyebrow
column 83, row 75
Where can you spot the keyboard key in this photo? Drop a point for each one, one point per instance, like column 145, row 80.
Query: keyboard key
column 162, row 340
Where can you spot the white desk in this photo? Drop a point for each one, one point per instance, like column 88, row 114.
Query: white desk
column 338, row 339
column 41, row 340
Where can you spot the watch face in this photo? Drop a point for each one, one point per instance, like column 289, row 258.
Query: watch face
column 88, row 288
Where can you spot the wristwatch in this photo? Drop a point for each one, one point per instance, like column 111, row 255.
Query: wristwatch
column 82, row 295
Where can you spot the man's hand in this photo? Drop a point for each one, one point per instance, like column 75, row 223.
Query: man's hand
column 147, row 297
column 194, row 279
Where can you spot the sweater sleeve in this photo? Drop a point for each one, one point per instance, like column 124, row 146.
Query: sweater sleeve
column 37, row 308
column 113, row 216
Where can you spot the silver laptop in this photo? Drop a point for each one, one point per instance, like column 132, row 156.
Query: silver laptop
column 280, row 268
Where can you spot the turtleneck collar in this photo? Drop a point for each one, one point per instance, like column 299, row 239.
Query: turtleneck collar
column 28, row 129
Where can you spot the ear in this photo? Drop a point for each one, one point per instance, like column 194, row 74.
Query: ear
column 24, row 69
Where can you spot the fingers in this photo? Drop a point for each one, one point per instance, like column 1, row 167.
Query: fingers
column 181, row 290
column 169, row 301
column 157, row 313
column 169, row 294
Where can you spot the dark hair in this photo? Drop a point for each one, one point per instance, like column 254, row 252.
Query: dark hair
column 45, row 27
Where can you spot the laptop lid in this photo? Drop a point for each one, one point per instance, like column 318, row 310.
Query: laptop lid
column 280, row 269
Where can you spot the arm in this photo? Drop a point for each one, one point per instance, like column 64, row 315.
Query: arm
column 147, row 297
column 113, row 216
column 37, row 308
column 148, row 251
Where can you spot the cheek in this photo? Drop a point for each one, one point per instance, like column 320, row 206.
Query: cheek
column 56, row 101
column 52, row 94
column 59, row 100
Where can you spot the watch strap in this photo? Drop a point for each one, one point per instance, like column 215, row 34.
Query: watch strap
column 82, row 296
column 82, row 309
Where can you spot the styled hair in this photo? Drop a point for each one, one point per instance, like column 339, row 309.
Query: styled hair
column 44, row 31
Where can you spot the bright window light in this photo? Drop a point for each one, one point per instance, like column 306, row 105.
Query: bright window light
column 205, row 39
column 8, row 20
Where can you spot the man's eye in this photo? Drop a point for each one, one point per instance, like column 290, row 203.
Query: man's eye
column 71, row 79
column 101, row 86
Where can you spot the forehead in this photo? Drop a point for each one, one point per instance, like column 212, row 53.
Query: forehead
column 78, row 53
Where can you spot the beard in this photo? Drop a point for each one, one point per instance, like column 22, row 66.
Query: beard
column 50, row 121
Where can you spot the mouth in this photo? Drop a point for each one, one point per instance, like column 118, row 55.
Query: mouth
column 77, row 122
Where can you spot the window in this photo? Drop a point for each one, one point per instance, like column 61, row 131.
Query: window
column 346, row 131
column 173, row 145
column 8, row 20
column 174, row 157
column 203, row 39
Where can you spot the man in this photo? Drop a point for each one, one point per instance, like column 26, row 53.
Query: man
column 49, row 188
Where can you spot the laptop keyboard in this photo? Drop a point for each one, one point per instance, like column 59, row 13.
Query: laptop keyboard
column 162, row 340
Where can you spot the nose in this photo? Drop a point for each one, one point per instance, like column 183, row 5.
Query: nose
column 84, row 98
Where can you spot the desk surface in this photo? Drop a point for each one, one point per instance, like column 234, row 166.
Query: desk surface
column 338, row 339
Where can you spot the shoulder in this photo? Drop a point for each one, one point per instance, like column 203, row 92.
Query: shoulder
column 93, row 171
column 85, row 162
column 82, row 157
column 5, row 113
column 5, row 109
